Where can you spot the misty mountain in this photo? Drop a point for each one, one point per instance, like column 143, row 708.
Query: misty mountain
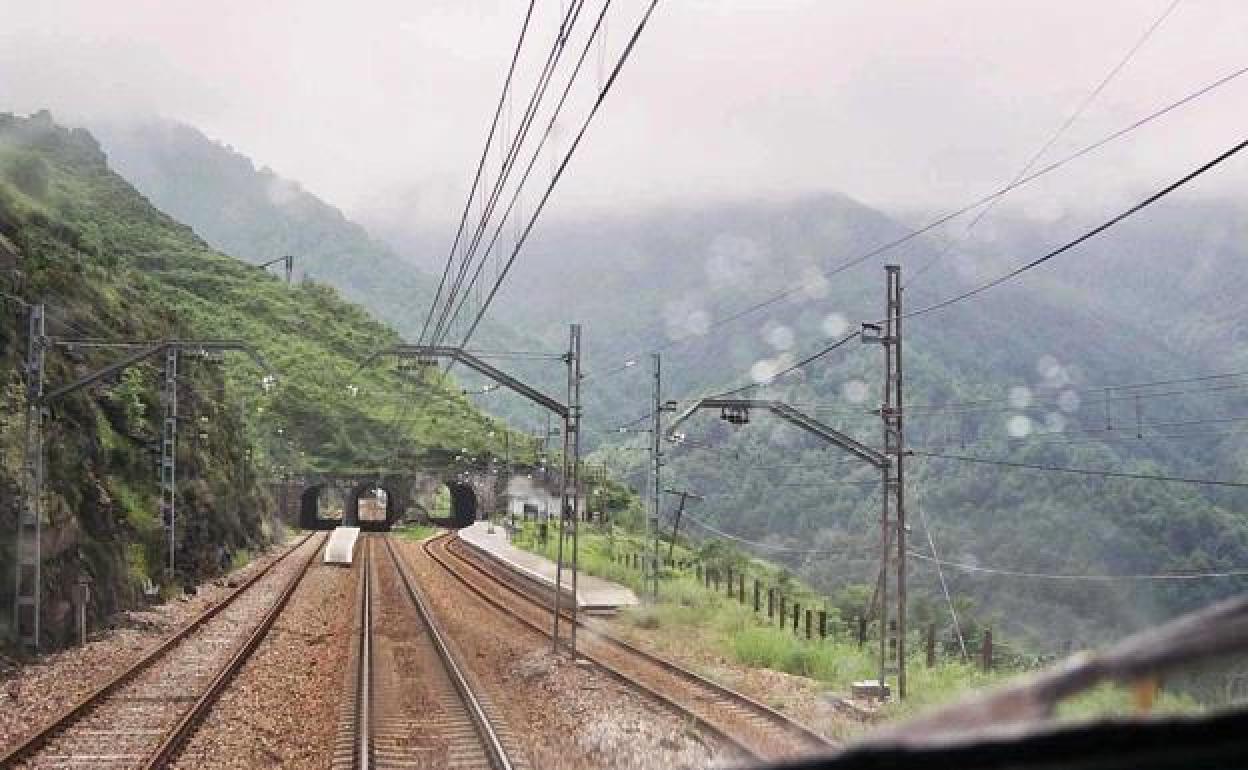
column 730, row 293
column 1146, row 303
column 249, row 211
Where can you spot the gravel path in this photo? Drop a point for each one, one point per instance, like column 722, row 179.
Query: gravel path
column 282, row 708
column 33, row 693
column 573, row 716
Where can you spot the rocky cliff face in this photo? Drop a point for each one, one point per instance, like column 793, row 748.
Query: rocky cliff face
column 111, row 267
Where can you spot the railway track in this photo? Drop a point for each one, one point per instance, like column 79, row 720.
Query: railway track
column 408, row 702
column 141, row 717
column 758, row 731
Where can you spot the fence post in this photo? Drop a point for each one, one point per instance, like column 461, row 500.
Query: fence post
column 862, row 630
column 758, row 599
column 782, row 614
column 931, row 645
column 771, row 603
column 986, row 650
column 823, row 624
column 728, row 576
column 741, row 588
column 797, row 611
column 810, row 614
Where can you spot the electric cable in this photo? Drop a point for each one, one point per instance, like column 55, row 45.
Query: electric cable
column 623, row 58
column 1107, row 224
column 971, row 206
column 1061, row 131
column 1235, row 572
column 1079, row 471
column 446, row 318
column 480, row 169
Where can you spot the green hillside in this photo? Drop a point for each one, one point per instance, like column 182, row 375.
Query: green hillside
column 1059, row 336
column 112, row 267
column 665, row 279
column 256, row 215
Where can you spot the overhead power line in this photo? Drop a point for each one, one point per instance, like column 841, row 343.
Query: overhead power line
column 476, row 180
column 943, row 219
column 1061, row 131
column 458, row 293
column 1235, row 572
column 1079, row 471
column 770, row 546
column 563, row 165
column 1150, row 200
column 810, row 359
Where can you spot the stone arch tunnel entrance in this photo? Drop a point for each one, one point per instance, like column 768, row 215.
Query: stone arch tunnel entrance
column 353, row 502
column 454, row 505
column 372, row 507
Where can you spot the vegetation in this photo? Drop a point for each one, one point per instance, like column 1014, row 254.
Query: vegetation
column 1056, row 338
column 416, row 532
column 112, row 267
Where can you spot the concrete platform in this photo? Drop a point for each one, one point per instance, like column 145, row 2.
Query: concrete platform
column 593, row 594
column 341, row 546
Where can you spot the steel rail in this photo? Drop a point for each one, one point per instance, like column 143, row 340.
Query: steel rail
column 38, row 739
column 498, row 756
column 750, row 704
column 747, row 704
column 186, row 726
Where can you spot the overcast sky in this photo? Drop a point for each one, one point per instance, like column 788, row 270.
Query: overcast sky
column 381, row 107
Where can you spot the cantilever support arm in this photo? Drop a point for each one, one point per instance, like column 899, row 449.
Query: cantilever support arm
column 147, row 350
column 481, row 367
column 794, row 417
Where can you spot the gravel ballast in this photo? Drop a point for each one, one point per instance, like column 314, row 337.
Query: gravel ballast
column 570, row 715
column 281, row 709
column 33, row 693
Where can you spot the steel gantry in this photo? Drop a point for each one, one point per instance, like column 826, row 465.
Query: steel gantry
column 27, row 594
column 737, row 410
column 571, row 414
column 890, row 463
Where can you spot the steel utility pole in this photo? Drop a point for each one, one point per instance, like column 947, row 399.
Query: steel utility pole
column 169, row 453
column 680, row 509
column 571, row 473
column 656, row 460
column 893, row 529
column 287, row 261
column 27, row 592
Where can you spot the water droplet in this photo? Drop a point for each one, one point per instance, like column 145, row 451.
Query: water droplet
column 814, row 283
column 1046, row 365
column 1055, row 422
column 835, row 325
column 763, row 372
column 1068, row 401
column 855, row 391
column 1020, row 396
column 778, row 336
column 1018, row 426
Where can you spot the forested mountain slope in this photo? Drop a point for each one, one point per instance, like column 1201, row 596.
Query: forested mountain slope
column 256, row 215
column 1124, row 309
column 113, row 268
column 1147, row 302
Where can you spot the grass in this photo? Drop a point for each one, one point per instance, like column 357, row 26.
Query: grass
column 239, row 559
column 416, row 532
column 727, row 629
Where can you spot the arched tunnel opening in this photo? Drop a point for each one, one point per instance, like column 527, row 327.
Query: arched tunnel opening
column 454, row 505
column 321, row 506
column 373, row 507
